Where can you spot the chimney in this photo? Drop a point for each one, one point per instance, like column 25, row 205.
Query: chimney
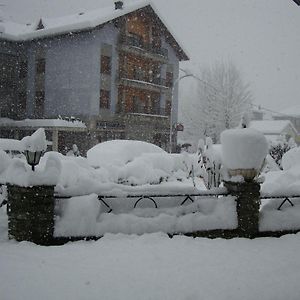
column 118, row 5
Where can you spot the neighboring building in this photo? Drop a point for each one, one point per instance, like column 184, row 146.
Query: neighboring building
column 257, row 114
column 292, row 113
column 276, row 130
column 114, row 69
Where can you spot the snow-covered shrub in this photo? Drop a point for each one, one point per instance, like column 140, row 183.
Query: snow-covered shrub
column 152, row 168
column 74, row 151
column 279, row 148
column 210, row 160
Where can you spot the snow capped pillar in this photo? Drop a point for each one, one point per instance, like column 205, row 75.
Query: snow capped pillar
column 243, row 153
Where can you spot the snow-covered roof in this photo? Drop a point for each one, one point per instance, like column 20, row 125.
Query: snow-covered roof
column 271, row 126
column 83, row 20
column 293, row 111
column 41, row 123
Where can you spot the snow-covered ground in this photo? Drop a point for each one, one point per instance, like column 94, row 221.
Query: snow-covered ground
column 152, row 266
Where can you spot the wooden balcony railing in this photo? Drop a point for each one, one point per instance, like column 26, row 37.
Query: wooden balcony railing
column 136, row 41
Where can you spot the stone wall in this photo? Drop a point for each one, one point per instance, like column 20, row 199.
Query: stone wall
column 31, row 213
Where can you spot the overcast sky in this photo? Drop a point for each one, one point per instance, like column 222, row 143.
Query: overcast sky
column 262, row 37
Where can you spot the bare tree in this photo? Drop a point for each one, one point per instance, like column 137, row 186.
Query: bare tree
column 223, row 99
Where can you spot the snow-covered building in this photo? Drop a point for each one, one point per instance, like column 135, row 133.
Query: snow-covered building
column 291, row 113
column 114, row 69
column 276, row 130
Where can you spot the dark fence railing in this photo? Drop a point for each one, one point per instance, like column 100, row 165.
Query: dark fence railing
column 186, row 197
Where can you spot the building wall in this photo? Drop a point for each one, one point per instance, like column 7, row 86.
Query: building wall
column 10, row 83
column 72, row 73
column 174, row 61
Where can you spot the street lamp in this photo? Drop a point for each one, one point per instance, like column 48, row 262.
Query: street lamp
column 172, row 126
column 187, row 74
column 33, row 157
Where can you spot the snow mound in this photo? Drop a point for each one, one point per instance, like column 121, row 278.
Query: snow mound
column 18, row 172
column 280, row 183
column 119, row 152
column 79, row 216
column 11, row 145
column 243, row 148
column 36, row 142
column 4, row 161
column 291, row 158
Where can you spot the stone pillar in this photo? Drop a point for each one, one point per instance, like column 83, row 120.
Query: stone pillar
column 247, row 205
column 30, row 213
column 55, row 139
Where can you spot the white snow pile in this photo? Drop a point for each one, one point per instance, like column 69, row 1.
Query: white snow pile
column 111, row 167
column 4, row 161
column 11, row 145
column 243, row 148
column 287, row 181
column 17, row 171
column 291, row 159
column 81, row 216
column 287, row 218
column 135, row 163
column 148, row 173
column 119, row 152
column 36, row 142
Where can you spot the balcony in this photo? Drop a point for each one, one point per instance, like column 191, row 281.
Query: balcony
column 153, row 111
column 143, row 80
column 135, row 42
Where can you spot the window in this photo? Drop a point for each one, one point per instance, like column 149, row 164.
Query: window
column 23, row 69
column 168, row 107
column 169, row 79
column 155, row 105
column 22, row 101
column 105, row 64
column 135, row 40
column 138, row 105
column 39, row 103
column 40, row 66
column 139, row 74
column 104, row 99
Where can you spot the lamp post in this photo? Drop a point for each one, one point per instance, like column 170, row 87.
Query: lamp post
column 187, row 74
column 171, row 108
